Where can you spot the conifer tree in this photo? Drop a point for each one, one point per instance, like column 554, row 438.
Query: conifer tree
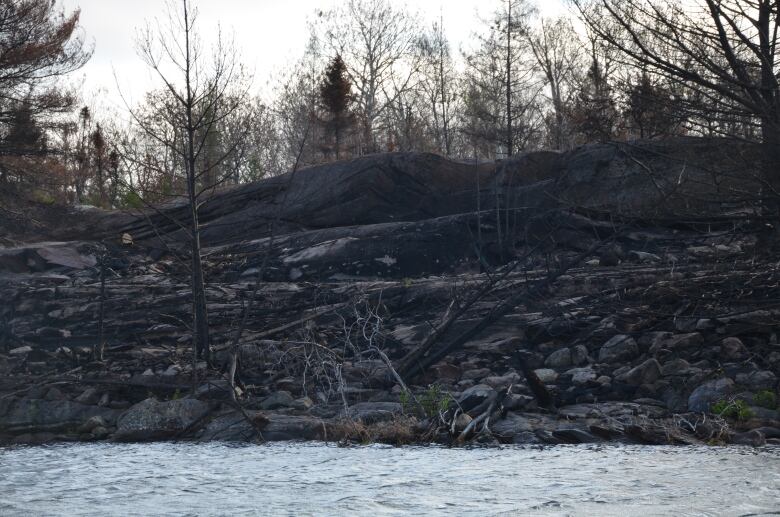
column 336, row 98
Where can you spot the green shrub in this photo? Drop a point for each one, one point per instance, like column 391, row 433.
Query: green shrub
column 736, row 409
column 131, row 199
column 434, row 401
column 766, row 398
column 429, row 403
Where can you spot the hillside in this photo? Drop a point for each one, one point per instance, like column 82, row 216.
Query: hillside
column 618, row 291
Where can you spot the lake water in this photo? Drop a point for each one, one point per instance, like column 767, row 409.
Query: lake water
column 315, row 479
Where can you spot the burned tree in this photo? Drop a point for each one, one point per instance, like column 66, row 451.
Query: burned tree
column 724, row 50
column 200, row 92
column 38, row 45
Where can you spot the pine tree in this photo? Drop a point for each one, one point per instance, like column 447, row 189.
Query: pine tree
column 336, row 99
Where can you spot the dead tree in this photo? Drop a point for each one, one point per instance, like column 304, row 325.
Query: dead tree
column 200, row 92
column 724, row 51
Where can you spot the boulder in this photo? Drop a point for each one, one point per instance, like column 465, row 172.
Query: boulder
column 511, row 425
column 36, row 416
column 294, row 427
column 500, row 382
column 372, row 412
column 675, row 367
column 704, row 396
column 675, row 342
column 546, row 375
column 92, row 423
column 152, row 419
column 582, row 376
column 89, row 396
column 476, row 373
column 758, row 380
column 475, row 396
column 579, row 355
column 619, row 348
column 559, row 359
column 574, row 435
column 754, row 438
column 646, row 373
column 732, row 349
column 277, row 400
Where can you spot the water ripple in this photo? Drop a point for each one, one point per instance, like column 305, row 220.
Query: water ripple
column 183, row 479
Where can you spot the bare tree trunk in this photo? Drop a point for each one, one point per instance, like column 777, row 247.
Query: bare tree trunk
column 99, row 348
column 200, row 329
column 509, row 142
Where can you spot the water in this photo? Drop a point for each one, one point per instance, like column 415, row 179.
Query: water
column 314, row 479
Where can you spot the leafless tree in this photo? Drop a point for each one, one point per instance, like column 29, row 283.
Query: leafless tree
column 502, row 87
column 201, row 90
column 726, row 50
column 380, row 45
column 559, row 55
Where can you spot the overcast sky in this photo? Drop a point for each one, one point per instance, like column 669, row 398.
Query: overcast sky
column 268, row 33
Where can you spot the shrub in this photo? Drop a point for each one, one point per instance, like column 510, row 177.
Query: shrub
column 431, row 402
column 736, row 409
column 765, row 398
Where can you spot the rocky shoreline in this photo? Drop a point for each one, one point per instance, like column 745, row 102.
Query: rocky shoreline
column 528, row 322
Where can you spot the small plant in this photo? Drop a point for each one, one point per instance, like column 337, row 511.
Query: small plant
column 435, row 401
column 406, row 402
column 736, row 409
column 766, row 399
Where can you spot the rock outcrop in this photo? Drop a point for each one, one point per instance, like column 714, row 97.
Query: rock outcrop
column 614, row 292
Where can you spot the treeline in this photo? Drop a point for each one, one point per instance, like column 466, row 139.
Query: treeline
column 374, row 78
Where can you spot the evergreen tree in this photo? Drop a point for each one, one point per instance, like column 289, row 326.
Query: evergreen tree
column 336, row 99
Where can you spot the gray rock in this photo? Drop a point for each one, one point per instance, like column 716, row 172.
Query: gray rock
column 152, row 419
column 763, row 413
column 709, row 393
column 216, row 389
column 232, row 426
column 302, row 404
column 732, row 349
column 511, row 425
column 517, row 402
column 643, row 256
column 675, row 367
column 574, row 435
column 92, row 423
column 294, row 427
column 754, row 438
column 546, row 375
column 582, row 376
column 646, row 373
column 619, row 348
column 100, row 432
column 676, row 342
column 477, row 373
column 760, row 380
column 372, row 412
column 229, row 427
column 475, row 396
column 89, row 396
column 35, row 415
column 277, row 400
column 559, row 359
column 500, row 382
column 22, row 350
column 579, row 355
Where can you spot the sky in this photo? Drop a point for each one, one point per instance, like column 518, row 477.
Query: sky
column 270, row 34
